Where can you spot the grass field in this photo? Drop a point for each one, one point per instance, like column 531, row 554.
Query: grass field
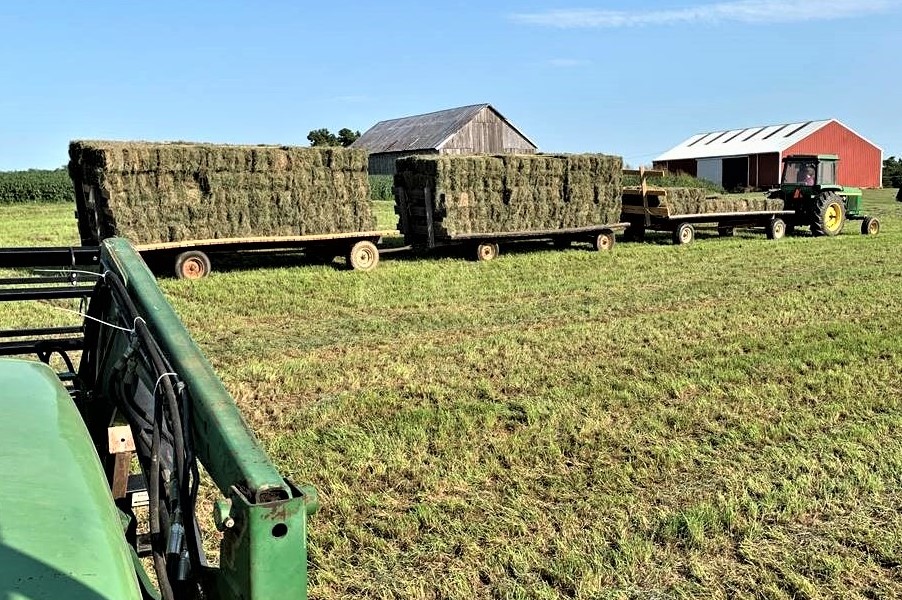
column 716, row 420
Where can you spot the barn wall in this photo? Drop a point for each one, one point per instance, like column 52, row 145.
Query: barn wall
column 764, row 170
column 860, row 162
column 487, row 133
column 384, row 163
column 678, row 166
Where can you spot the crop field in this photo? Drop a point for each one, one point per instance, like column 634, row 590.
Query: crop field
column 716, row 420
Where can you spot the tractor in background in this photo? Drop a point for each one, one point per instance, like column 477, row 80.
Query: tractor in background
column 809, row 188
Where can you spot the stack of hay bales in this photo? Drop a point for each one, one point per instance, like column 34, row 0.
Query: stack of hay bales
column 685, row 201
column 164, row 192
column 481, row 194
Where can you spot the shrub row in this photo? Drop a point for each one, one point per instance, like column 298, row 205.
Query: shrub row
column 36, row 185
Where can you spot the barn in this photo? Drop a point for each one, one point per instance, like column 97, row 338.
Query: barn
column 751, row 157
column 475, row 129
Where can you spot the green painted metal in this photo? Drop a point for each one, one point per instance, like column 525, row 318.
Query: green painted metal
column 60, row 533
column 263, row 552
column 259, row 549
column 224, row 443
column 853, row 201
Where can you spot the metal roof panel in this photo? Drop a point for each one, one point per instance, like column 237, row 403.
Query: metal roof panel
column 741, row 142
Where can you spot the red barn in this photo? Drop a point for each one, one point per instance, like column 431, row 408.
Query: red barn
column 750, row 158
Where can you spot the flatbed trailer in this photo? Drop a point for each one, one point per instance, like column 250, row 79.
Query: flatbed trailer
column 652, row 216
column 485, row 245
column 190, row 258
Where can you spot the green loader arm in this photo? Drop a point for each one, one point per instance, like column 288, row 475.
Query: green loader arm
column 140, row 367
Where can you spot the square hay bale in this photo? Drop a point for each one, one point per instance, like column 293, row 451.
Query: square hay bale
column 508, row 193
column 162, row 192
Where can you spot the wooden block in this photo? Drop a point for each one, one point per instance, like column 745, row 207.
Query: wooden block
column 120, row 439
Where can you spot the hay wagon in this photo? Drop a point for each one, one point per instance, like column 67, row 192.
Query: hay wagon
column 659, row 209
column 478, row 201
column 417, row 223
column 182, row 202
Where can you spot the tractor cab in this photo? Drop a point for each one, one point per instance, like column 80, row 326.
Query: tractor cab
column 810, row 171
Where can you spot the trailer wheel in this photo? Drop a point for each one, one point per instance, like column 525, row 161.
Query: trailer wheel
column 192, row 264
column 363, row 256
column 604, row 241
column 776, row 228
column 870, row 226
column 683, row 234
column 486, row 251
column 726, row 231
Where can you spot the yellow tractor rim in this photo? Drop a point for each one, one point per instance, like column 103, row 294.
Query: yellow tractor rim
column 833, row 218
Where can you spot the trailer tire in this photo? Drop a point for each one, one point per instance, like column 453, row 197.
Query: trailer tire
column 192, row 264
column 726, row 231
column 683, row 234
column 604, row 241
column 363, row 256
column 776, row 228
column 829, row 215
column 870, row 226
column 486, row 251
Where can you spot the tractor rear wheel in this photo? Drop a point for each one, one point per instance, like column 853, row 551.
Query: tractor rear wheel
column 870, row 226
column 829, row 215
column 192, row 264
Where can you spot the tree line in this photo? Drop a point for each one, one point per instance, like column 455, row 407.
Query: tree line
column 892, row 172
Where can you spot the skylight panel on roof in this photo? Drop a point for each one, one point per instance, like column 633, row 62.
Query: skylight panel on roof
column 754, row 134
column 733, row 137
column 775, row 131
column 799, row 128
column 698, row 140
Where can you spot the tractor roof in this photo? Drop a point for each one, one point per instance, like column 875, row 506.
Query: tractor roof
column 793, row 157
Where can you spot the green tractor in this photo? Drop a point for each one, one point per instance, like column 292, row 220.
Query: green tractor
column 809, row 188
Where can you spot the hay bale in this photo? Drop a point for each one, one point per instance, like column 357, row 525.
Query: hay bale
column 483, row 194
column 164, row 192
column 691, row 201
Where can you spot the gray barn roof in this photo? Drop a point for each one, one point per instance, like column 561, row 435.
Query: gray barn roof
column 422, row 132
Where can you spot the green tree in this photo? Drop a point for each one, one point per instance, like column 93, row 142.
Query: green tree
column 892, row 172
column 322, row 137
column 346, row 137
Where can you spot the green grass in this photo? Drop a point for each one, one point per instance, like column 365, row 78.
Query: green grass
column 716, row 420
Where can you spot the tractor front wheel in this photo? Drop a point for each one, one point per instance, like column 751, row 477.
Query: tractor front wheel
column 829, row 215
column 870, row 226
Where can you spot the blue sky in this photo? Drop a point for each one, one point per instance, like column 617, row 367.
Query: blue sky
column 627, row 77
